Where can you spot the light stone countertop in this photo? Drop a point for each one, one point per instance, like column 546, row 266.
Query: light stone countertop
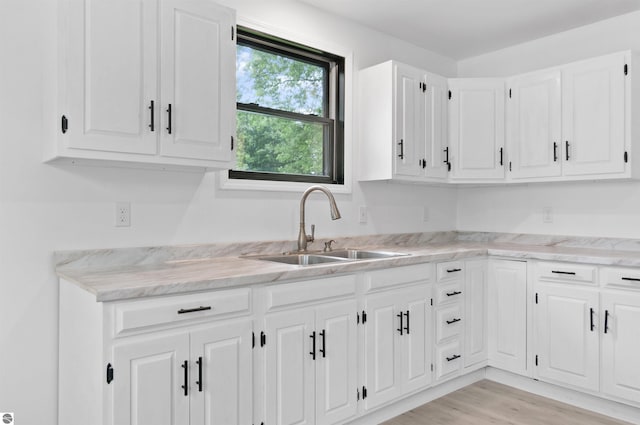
column 111, row 279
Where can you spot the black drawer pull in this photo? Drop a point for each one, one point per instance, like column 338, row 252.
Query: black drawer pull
column 453, row 270
column 193, row 310
column 451, row 294
column 632, row 279
column 452, row 321
column 561, row 272
column 452, row 358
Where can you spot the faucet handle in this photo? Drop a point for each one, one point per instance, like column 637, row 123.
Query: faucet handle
column 311, row 237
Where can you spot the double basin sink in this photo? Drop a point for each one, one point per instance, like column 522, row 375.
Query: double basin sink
column 305, row 259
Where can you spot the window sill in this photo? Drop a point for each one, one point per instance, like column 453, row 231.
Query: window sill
column 275, row 186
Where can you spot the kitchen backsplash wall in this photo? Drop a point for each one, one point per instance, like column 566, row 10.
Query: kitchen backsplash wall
column 601, row 209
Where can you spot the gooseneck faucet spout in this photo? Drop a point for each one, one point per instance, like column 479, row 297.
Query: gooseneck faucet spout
column 303, row 238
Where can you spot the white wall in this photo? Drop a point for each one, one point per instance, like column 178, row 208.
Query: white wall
column 590, row 209
column 45, row 208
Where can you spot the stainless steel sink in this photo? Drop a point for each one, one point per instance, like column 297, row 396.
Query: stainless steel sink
column 302, row 259
column 359, row 254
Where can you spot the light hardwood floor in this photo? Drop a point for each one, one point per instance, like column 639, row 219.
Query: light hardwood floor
column 487, row 402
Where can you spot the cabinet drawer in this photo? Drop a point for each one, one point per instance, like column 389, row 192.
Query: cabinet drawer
column 621, row 277
column 448, row 322
column 291, row 294
column 448, row 293
column 448, row 359
column 563, row 272
column 134, row 315
column 450, row 270
column 380, row 279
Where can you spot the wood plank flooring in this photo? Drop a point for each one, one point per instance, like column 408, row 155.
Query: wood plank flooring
column 487, row 402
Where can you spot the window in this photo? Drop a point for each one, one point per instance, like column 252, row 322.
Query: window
column 290, row 111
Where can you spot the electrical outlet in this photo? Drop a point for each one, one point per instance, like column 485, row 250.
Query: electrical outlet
column 123, row 214
column 362, row 214
column 425, row 214
column 547, row 215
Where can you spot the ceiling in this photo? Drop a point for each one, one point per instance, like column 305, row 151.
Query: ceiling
column 464, row 28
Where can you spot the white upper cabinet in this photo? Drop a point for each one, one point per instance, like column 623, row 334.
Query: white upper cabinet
column 124, row 64
column 404, row 123
column 594, row 116
column 534, row 125
column 476, row 116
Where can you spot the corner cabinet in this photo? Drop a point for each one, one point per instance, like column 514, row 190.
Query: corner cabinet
column 404, row 124
column 147, row 83
column 476, row 135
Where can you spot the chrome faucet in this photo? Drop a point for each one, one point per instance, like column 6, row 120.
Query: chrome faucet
column 303, row 238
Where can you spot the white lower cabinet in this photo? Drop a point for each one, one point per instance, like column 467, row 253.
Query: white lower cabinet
column 567, row 349
column 397, row 335
column 507, row 315
column 621, row 345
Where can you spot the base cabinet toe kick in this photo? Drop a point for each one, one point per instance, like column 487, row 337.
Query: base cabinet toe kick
column 348, row 348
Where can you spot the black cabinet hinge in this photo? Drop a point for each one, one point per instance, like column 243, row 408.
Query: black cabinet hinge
column 431, row 301
column 364, row 317
column 626, row 69
column 253, row 340
column 358, row 394
column 364, row 392
column 449, row 94
column 420, row 86
column 424, row 87
column 509, row 165
column 536, row 298
column 233, row 30
column 536, row 360
column 626, row 157
column 109, row 373
column 431, row 367
column 263, row 339
column 509, row 93
column 64, row 124
column 231, row 142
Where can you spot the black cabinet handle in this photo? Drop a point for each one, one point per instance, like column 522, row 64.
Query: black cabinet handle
column 199, row 381
column 452, row 358
column 193, row 310
column 323, row 350
column 591, row 319
column 453, row 270
column 401, row 143
column 313, row 345
column 606, row 321
column 406, row 328
column 501, row 156
column 555, row 152
column 400, row 329
column 632, row 279
column 566, row 149
column 185, row 386
column 451, row 294
column 152, row 108
column 452, row 321
column 169, row 119
column 561, row 272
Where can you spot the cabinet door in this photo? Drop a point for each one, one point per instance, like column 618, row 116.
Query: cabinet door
column 409, row 121
column 621, row 345
column 336, row 362
column 222, row 356
column 475, row 312
column 436, row 127
column 417, row 341
column 382, row 348
column 198, row 80
column 593, row 99
column 507, row 318
column 289, row 368
column 534, row 124
column 567, row 340
column 110, row 74
column 476, row 117
column 149, row 379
